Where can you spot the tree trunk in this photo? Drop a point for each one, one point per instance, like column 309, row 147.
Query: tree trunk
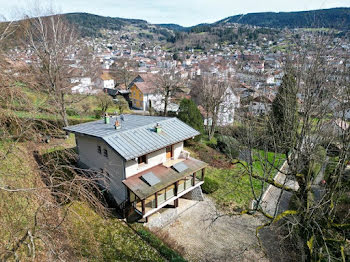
column 64, row 111
column 166, row 98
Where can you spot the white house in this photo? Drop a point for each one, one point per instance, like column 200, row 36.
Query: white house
column 82, row 85
column 105, row 81
column 227, row 108
column 142, row 159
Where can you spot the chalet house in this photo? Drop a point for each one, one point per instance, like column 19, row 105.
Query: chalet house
column 144, row 93
column 143, row 158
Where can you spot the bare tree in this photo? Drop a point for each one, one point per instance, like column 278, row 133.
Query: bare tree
column 168, row 84
column 36, row 188
column 210, row 93
column 315, row 151
column 124, row 72
column 57, row 56
column 105, row 101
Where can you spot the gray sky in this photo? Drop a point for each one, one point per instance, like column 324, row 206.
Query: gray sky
column 183, row 12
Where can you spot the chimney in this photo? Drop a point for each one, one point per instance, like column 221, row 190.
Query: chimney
column 117, row 125
column 106, row 118
column 158, row 128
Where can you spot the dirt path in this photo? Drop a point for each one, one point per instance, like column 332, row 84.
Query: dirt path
column 207, row 237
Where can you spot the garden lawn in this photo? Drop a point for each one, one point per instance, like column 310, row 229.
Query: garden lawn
column 234, row 187
column 267, row 163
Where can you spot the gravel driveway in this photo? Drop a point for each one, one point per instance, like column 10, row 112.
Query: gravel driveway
column 207, row 236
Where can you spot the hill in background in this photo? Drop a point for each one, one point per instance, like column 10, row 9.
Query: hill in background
column 337, row 18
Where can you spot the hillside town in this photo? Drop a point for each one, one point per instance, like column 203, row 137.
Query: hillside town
column 254, row 69
column 122, row 140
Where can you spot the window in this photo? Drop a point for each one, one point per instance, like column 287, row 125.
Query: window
column 142, row 159
column 99, row 149
column 230, row 118
column 105, row 153
column 169, row 152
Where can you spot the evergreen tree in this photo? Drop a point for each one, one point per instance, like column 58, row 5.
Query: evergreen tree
column 190, row 114
column 284, row 112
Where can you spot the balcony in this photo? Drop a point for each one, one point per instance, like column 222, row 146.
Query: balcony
column 171, row 185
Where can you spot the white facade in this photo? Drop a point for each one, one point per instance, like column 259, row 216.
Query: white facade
column 156, row 100
column 227, row 108
column 100, row 83
column 153, row 159
column 83, row 85
column 114, row 166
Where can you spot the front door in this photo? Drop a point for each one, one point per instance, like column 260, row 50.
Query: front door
column 169, row 152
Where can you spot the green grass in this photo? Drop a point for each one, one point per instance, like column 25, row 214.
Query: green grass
column 267, row 163
column 235, row 189
column 46, row 116
column 16, row 209
column 91, row 236
column 98, row 239
column 158, row 244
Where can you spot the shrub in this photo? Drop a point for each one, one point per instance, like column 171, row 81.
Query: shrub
column 212, row 143
column 210, row 185
column 228, row 146
column 98, row 114
column 190, row 114
column 72, row 112
column 122, row 104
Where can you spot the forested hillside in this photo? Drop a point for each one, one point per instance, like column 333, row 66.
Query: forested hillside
column 337, row 18
column 90, row 25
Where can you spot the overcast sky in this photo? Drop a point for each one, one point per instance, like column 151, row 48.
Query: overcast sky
column 183, row 12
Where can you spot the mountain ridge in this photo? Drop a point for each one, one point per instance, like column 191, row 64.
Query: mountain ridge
column 335, row 18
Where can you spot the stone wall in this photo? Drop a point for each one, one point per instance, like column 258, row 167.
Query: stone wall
column 195, row 194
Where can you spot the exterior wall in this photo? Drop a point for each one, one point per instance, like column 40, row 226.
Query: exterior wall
column 113, row 165
column 136, row 97
column 105, row 83
column 227, row 108
column 153, row 159
column 177, row 148
column 141, row 101
column 108, row 83
column 156, row 100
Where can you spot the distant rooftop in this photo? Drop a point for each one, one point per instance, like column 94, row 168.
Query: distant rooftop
column 137, row 135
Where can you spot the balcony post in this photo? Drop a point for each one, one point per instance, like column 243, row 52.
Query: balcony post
column 203, row 174
column 156, row 199
column 176, row 187
column 143, row 207
column 194, row 179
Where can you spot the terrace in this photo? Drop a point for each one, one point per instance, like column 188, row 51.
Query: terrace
column 157, row 187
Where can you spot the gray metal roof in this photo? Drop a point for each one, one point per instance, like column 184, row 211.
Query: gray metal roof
column 137, row 135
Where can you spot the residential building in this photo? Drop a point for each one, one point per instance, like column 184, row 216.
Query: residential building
column 143, row 158
column 227, row 108
column 105, row 81
column 144, row 93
